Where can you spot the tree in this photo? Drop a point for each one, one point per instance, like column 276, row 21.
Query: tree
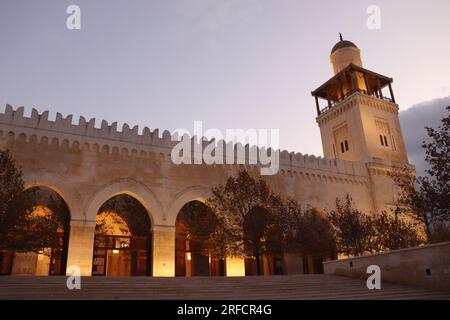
column 313, row 235
column 412, row 200
column 197, row 220
column 251, row 219
column 354, row 231
column 395, row 233
column 21, row 227
column 427, row 199
column 130, row 210
column 437, row 182
column 258, row 228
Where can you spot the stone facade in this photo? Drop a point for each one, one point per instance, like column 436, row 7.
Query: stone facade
column 87, row 166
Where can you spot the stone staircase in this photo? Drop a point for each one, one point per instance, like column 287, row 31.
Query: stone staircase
column 200, row 288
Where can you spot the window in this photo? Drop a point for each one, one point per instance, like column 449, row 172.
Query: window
column 384, row 141
column 384, row 132
column 344, row 146
column 342, row 138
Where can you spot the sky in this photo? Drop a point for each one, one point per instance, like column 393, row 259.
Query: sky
column 229, row 63
column 414, row 120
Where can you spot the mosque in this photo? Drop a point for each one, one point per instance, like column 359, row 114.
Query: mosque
column 88, row 167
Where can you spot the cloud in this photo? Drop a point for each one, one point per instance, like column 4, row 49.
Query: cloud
column 413, row 122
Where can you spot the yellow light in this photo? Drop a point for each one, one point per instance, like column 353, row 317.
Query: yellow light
column 188, row 256
column 115, row 251
column 235, row 267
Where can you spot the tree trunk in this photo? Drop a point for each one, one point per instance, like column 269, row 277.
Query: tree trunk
column 258, row 264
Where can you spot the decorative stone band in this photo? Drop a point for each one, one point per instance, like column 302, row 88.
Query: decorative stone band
column 356, row 98
column 386, row 168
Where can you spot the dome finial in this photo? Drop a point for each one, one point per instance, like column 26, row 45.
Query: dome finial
column 340, row 36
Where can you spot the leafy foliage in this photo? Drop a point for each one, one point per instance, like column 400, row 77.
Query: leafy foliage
column 427, row 199
column 231, row 203
column 314, row 235
column 355, row 232
column 22, row 228
column 130, row 210
column 254, row 221
column 359, row 234
column 395, row 233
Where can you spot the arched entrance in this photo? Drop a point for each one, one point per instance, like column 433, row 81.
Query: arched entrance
column 122, row 244
column 259, row 242
column 50, row 228
column 194, row 223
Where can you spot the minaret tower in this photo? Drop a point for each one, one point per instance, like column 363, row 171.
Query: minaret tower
column 358, row 117
column 357, row 121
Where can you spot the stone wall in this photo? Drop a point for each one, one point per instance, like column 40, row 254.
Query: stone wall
column 426, row 266
column 87, row 166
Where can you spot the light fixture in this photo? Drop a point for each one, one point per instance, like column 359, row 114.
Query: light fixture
column 115, row 251
column 188, row 256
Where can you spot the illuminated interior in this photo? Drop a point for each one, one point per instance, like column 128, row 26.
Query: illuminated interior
column 122, row 245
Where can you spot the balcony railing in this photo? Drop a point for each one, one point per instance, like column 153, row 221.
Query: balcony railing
column 332, row 104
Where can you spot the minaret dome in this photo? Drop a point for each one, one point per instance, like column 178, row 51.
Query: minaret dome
column 344, row 53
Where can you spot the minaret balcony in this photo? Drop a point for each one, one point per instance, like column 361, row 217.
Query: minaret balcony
column 349, row 81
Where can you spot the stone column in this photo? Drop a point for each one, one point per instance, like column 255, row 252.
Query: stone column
column 81, row 245
column 163, row 251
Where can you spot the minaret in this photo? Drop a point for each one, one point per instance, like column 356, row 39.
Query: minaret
column 345, row 53
column 358, row 119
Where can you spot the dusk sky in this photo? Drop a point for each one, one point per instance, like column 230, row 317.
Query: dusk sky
column 230, row 63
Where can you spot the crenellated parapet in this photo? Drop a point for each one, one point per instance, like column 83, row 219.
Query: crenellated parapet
column 128, row 141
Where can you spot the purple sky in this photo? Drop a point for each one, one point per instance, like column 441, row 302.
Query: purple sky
column 230, row 63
